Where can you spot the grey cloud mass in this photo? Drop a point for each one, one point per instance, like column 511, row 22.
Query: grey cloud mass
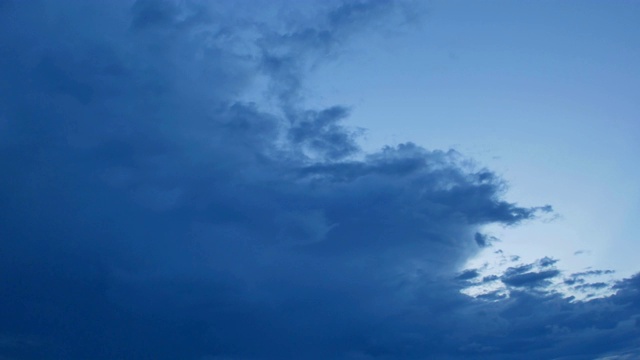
column 148, row 210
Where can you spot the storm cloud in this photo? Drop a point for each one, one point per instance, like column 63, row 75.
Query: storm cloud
column 149, row 210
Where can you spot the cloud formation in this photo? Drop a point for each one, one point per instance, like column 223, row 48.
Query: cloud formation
column 148, row 210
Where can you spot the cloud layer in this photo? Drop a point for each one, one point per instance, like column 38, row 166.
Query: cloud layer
column 148, row 210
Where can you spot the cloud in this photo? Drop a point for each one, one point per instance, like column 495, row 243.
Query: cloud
column 149, row 210
column 468, row 274
column 530, row 278
column 322, row 133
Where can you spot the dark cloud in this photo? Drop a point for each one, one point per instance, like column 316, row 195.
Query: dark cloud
column 587, row 281
column 593, row 286
column 530, row 278
column 490, row 278
column 468, row 274
column 592, row 273
column 485, row 240
column 547, row 261
column 321, row 133
column 518, row 270
column 147, row 211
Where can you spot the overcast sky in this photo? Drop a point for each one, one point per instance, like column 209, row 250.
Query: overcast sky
column 319, row 180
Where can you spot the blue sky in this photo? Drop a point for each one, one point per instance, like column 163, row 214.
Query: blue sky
column 544, row 94
column 319, row 180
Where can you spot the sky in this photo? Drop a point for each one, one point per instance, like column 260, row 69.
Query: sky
column 544, row 94
column 335, row 179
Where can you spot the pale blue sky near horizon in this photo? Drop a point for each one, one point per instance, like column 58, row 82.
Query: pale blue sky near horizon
column 545, row 93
